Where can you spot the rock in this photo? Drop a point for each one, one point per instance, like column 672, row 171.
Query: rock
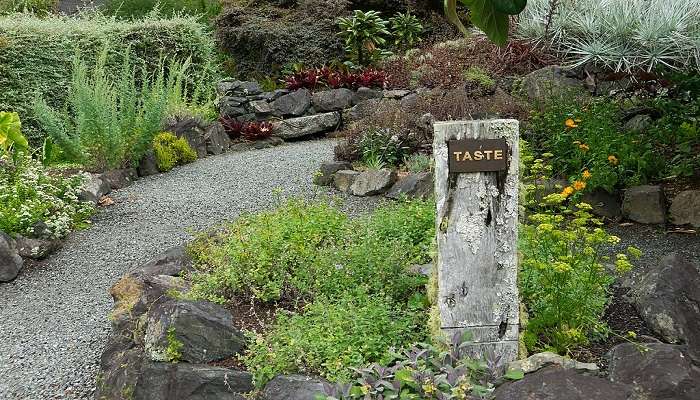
column 129, row 375
column 293, row 387
column 260, row 108
column 365, row 93
column 657, row 370
column 332, row 100
column 36, row 249
column 328, row 169
column 216, row 139
column 193, row 130
column 266, row 143
column 305, row 126
column 685, row 208
column 272, row 96
column 224, row 87
column 364, row 109
column 173, row 262
column 409, row 101
column 668, row 299
column 413, row 186
column 645, row 204
column 555, row 383
column 370, row 183
column 604, row 204
column 202, row 331
column 238, row 88
column 396, row 94
column 148, row 165
column 342, row 180
column 540, row 360
column 294, row 104
column 119, row 178
column 10, row 261
column 549, row 82
column 94, row 188
column 638, row 124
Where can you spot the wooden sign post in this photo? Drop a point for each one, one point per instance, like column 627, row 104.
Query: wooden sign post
column 476, row 187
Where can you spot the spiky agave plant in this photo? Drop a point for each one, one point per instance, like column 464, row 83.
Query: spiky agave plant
column 624, row 36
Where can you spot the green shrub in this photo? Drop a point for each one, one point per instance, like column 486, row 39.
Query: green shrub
column 406, row 29
column 419, row 163
column 29, row 194
column 141, row 8
column 171, row 151
column 364, row 34
column 303, row 250
column 34, row 6
column 381, row 147
column 111, row 122
column 36, row 55
column 329, row 337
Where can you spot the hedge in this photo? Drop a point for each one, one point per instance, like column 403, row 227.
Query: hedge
column 36, row 54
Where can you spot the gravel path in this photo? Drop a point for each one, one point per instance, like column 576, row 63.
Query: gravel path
column 53, row 318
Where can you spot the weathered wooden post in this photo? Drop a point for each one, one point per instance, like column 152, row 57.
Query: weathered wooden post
column 476, row 186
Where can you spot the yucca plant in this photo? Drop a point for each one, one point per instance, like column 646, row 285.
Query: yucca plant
column 406, row 29
column 623, row 36
column 364, row 34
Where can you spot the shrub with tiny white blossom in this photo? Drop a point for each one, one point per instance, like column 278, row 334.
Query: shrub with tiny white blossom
column 29, row 195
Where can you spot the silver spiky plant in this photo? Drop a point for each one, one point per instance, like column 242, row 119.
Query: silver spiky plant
column 622, row 35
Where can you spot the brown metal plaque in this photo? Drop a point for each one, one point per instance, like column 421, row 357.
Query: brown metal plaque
column 478, row 155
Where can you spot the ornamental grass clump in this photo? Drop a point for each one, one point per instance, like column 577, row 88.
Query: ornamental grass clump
column 626, row 36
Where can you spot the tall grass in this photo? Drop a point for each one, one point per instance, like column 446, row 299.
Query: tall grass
column 111, row 122
column 138, row 8
column 34, row 6
column 627, row 36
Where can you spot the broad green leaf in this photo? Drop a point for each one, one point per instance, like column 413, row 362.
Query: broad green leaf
column 404, row 375
column 11, row 131
column 510, row 7
column 485, row 16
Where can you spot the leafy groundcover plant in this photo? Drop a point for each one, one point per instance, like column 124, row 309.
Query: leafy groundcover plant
column 171, row 151
column 33, row 201
column 343, row 288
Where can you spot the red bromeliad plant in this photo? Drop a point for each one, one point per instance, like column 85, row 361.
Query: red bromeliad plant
column 248, row 130
column 335, row 79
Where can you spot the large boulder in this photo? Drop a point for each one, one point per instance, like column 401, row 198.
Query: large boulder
column 266, row 143
column 604, row 203
column 343, row 180
column 216, row 139
column 127, row 374
column 293, row 387
column 232, row 87
column 148, row 165
column 35, row 248
column 94, row 188
column 198, row 331
column 120, row 178
column 645, row 204
column 193, row 130
column 551, row 81
column 328, row 169
column 365, row 93
column 685, row 208
column 414, row 186
column 373, row 182
column 657, row 370
column 294, row 104
column 332, row 100
column 10, row 261
column 668, row 299
column 555, row 383
column 538, row 361
column 306, row 126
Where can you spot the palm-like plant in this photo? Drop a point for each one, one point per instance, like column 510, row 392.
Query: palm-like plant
column 406, row 29
column 364, row 34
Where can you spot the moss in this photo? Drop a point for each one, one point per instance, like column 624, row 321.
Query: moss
column 479, row 76
column 126, row 293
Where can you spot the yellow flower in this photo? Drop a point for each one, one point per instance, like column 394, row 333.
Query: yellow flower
column 568, row 191
column 613, row 160
column 570, row 123
column 579, row 185
column 584, row 147
column 587, row 175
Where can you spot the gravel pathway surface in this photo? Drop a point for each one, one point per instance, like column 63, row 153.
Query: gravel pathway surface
column 53, row 318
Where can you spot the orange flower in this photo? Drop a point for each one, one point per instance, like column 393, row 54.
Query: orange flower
column 568, row 191
column 584, row 147
column 613, row 160
column 587, row 175
column 570, row 123
column 579, row 185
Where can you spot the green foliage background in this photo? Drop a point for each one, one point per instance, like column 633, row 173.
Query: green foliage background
column 36, row 54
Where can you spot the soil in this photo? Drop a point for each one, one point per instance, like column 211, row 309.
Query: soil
column 621, row 317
